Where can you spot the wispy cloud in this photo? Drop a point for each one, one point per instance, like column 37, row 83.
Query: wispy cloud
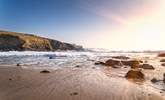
column 119, row 11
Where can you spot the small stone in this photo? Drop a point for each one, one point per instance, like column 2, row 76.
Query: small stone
column 74, row 93
column 50, row 57
column 145, row 61
column 77, row 66
column 10, row 79
column 45, row 71
column 163, row 64
column 154, row 80
column 99, row 63
column 18, row 64
column 164, row 78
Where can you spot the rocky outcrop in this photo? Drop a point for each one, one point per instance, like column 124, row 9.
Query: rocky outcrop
column 113, row 63
column 135, row 74
column 161, row 55
column 116, row 63
column 9, row 42
column 132, row 63
column 18, row 41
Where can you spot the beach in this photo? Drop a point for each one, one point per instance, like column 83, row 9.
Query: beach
column 18, row 83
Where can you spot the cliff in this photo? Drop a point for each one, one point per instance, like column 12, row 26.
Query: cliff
column 10, row 41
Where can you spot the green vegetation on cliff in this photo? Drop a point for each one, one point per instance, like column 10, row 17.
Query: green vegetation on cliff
column 20, row 41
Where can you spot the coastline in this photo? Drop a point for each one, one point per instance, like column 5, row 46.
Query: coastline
column 17, row 83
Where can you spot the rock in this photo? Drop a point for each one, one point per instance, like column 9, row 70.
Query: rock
column 164, row 78
column 74, row 93
column 113, row 63
column 77, row 66
column 135, row 74
column 163, row 64
column 45, row 71
column 120, row 57
column 154, row 80
column 145, row 61
column 51, row 57
column 162, row 60
column 10, row 79
column 132, row 63
column 146, row 66
column 99, row 63
column 161, row 55
column 12, row 41
column 18, row 64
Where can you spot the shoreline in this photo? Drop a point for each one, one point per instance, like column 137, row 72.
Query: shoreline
column 17, row 83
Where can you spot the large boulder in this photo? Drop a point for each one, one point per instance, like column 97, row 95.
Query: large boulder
column 146, row 66
column 113, row 63
column 135, row 74
column 132, row 63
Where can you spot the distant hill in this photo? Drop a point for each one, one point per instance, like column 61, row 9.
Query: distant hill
column 12, row 41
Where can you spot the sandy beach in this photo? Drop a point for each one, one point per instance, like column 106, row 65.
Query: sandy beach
column 17, row 83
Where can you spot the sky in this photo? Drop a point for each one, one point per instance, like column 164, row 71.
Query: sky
column 109, row 24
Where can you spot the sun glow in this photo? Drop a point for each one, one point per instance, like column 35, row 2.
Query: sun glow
column 142, row 33
column 137, row 25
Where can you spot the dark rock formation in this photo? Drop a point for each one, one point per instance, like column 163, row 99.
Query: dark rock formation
column 161, row 55
column 18, row 41
column 10, row 42
column 146, row 66
column 113, row 63
column 162, row 60
column 132, row 63
column 135, row 74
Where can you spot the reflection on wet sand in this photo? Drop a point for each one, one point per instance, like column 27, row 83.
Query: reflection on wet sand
column 70, row 84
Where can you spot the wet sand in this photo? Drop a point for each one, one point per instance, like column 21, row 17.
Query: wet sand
column 18, row 83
